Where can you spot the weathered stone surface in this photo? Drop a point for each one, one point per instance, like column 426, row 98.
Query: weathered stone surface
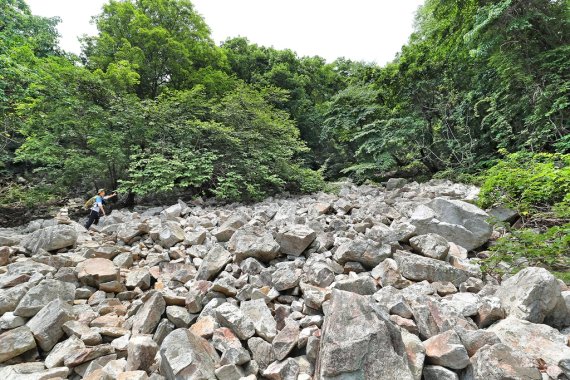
column 264, row 323
column 24, row 372
column 459, row 222
column 42, row 294
column 50, row 238
column 363, row 285
column 148, row 316
column 47, row 324
column 15, row 342
column 170, row 234
column 431, row 245
column 262, row 351
column 229, row 372
column 141, row 352
column 230, row 226
column 138, row 278
column 419, row 268
column 446, row 350
column 233, row 318
column 314, row 296
column 179, row 316
column 284, row 370
column 128, row 231
column 294, row 239
column 532, row 294
column 435, row 372
column 187, row 356
column 216, row 260
column 537, row 341
column 416, row 353
column 94, row 272
column 253, row 241
column 367, row 252
column 87, row 354
column 285, row 277
column 388, row 274
column 61, row 350
column 10, row 298
column 489, row 311
column 358, row 342
column 499, row 362
column 286, row 340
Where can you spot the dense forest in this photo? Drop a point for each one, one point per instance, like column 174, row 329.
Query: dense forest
column 153, row 105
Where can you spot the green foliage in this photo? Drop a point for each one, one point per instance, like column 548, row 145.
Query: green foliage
column 527, row 247
column 527, row 182
column 15, row 195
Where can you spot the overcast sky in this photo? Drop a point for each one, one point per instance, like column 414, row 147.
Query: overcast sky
column 367, row 30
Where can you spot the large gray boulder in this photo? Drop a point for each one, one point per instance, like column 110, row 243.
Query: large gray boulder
column 459, row 222
column 295, row 239
column 537, row 341
column 224, row 232
column 42, row 294
column 170, row 234
column 258, row 312
column 94, row 272
column 360, row 343
column 149, row 314
column 216, row 260
column 185, row 356
column 253, row 241
column 419, row 268
column 367, row 252
column 534, row 295
column 50, row 238
column 47, row 324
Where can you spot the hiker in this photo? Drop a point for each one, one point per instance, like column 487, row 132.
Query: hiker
column 98, row 207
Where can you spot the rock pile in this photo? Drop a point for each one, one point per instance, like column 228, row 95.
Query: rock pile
column 372, row 283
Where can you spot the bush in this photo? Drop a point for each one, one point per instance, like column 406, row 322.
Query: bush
column 527, row 182
column 15, row 195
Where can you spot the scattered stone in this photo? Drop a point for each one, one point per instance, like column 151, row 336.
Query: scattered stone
column 294, row 239
column 141, row 352
column 253, row 241
column 16, row 342
column 286, row 340
column 47, row 324
column 431, row 245
column 233, row 318
column 446, row 350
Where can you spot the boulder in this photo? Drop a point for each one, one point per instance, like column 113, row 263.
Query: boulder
column 141, row 352
column 149, row 314
column 431, row 245
column 537, row 341
column 230, row 226
column 187, row 356
column 170, row 234
column 47, row 324
column 532, row 294
column 419, row 268
column 294, row 239
column 286, row 340
column 459, row 222
column 253, row 241
column 15, row 342
column 262, row 351
column 42, row 294
column 233, row 318
column 367, row 252
column 436, row 372
column 499, row 362
column 94, row 272
column 216, row 260
column 264, row 323
column 50, row 238
column 282, row 370
column 446, row 350
column 359, row 342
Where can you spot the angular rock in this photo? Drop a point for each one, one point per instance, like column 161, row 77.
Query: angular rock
column 61, row 350
column 286, row 340
column 216, row 260
column 419, row 268
column 170, row 234
column 294, row 239
column 367, row 252
column 148, row 316
column 499, row 362
column 430, row 245
column 537, row 341
column 363, row 285
column 138, row 278
column 285, row 370
column 446, row 350
column 187, row 356
column 50, row 238
column 230, row 226
column 285, row 277
column 356, row 341
column 459, row 222
column 388, row 273
column 141, row 352
column 416, row 353
column 262, row 351
column 233, row 318
column 264, row 323
column 42, row 294
column 94, row 272
column 128, row 231
column 532, row 294
column 435, row 372
column 47, row 324
column 314, row 296
column 253, row 241
column 15, row 342
column 10, row 298
column 229, row 372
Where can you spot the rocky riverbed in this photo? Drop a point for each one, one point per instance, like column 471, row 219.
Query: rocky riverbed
column 372, row 283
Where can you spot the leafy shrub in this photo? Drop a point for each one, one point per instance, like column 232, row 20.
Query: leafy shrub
column 15, row 195
column 527, row 182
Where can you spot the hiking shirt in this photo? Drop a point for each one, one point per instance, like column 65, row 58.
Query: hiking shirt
column 98, row 204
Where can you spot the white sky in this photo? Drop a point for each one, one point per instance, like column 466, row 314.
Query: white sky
column 367, row 30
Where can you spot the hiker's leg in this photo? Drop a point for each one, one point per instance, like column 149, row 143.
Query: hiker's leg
column 91, row 219
column 97, row 215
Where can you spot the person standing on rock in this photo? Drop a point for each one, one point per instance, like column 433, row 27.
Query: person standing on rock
column 97, row 208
